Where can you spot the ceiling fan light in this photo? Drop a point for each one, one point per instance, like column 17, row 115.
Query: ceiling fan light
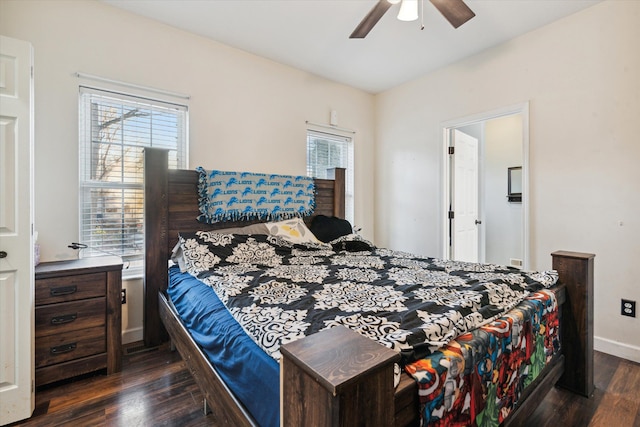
column 408, row 10
column 394, row 1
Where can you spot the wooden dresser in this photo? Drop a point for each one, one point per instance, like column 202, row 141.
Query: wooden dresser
column 78, row 318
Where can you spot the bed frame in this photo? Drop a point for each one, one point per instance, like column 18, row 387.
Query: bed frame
column 335, row 377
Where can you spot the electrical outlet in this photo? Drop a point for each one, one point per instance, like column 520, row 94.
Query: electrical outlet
column 628, row 308
column 123, row 296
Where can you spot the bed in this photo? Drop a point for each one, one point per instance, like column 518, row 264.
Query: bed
column 335, row 377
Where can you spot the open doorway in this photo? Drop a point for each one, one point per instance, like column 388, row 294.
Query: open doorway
column 482, row 222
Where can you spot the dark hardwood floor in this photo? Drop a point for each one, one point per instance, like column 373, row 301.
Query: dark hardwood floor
column 155, row 389
column 615, row 401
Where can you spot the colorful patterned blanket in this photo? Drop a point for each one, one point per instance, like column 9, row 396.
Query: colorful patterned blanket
column 232, row 196
column 477, row 379
column 280, row 292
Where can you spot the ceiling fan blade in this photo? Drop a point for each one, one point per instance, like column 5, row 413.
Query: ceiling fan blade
column 456, row 11
column 370, row 20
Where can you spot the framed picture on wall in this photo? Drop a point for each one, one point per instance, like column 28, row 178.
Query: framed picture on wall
column 514, row 184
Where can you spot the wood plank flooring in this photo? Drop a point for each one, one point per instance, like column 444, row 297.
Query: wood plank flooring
column 615, row 401
column 155, row 389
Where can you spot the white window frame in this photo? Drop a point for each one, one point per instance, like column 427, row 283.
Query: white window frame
column 128, row 179
column 346, row 161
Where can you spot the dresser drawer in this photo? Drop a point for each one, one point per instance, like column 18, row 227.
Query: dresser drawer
column 70, row 288
column 70, row 316
column 69, row 345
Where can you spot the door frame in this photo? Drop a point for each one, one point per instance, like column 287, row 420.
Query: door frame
column 446, row 129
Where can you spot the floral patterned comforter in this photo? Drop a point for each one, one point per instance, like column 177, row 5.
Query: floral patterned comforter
column 280, row 292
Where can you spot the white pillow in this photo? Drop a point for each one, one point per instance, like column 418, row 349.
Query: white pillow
column 293, row 230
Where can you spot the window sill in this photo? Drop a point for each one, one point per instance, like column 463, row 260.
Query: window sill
column 134, row 275
column 132, row 272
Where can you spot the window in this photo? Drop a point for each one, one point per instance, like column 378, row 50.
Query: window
column 326, row 151
column 114, row 130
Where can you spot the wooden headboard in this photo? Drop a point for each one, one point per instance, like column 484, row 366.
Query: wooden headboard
column 171, row 206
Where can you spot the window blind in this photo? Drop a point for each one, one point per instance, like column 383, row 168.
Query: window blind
column 326, row 151
column 114, row 130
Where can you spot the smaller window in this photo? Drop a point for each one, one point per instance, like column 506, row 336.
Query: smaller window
column 327, row 151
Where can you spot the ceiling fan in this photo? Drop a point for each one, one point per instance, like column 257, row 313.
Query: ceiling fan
column 455, row 11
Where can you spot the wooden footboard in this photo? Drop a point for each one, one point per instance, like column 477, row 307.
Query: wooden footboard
column 323, row 382
column 305, row 381
column 171, row 206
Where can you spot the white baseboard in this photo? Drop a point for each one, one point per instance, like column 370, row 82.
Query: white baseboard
column 132, row 335
column 616, row 348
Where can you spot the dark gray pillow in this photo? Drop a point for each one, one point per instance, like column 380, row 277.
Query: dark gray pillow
column 328, row 228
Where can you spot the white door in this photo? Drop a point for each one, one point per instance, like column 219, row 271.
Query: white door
column 465, row 198
column 16, row 229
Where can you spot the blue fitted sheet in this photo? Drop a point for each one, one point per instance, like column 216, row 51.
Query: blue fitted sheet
column 248, row 371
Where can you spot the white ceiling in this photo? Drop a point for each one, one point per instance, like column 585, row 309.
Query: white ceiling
column 313, row 35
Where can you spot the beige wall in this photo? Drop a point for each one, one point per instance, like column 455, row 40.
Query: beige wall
column 580, row 75
column 246, row 112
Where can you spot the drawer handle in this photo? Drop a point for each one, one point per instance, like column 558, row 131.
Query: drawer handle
column 63, row 290
column 65, row 318
column 66, row 348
